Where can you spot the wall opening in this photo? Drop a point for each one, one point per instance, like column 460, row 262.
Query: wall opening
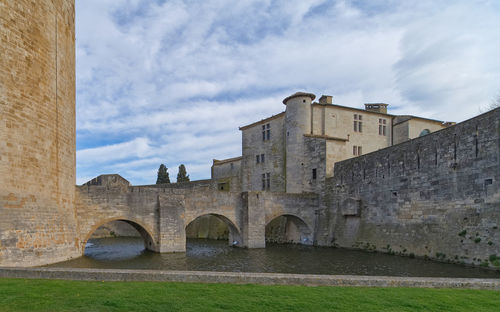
column 118, row 239
column 424, row 132
column 288, row 229
column 213, row 227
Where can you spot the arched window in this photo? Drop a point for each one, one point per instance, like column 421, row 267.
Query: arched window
column 425, row 132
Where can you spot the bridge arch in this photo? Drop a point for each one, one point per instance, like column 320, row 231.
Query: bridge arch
column 288, row 228
column 235, row 238
column 144, row 231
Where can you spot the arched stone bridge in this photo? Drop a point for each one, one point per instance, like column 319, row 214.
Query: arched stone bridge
column 161, row 213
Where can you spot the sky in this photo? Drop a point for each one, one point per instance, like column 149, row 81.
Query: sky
column 171, row 81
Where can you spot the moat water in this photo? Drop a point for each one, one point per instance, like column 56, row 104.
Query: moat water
column 213, row 255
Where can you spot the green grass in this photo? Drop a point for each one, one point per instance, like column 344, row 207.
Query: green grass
column 54, row 295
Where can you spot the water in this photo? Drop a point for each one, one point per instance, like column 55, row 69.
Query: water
column 211, row 255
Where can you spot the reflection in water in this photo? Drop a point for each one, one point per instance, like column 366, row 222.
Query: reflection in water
column 211, row 255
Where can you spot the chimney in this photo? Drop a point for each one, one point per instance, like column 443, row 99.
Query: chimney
column 325, row 99
column 376, row 107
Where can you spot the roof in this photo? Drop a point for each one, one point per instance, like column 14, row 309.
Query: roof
column 379, row 113
column 217, row 162
column 297, row 94
column 339, row 106
column 262, row 121
column 353, row 108
column 408, row 117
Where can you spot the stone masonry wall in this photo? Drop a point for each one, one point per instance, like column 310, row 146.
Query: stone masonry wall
column 37, row 132
column 274, row 151
column 436, row 196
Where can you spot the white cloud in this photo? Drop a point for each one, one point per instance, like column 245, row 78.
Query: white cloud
column 139, row 147
column 175, row 79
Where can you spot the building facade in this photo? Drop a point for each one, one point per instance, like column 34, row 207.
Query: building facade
column 295, row 150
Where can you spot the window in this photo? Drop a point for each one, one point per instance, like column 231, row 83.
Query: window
column 314, row 174
column 262, row 158
column 224, row 186
column 356, row 150
column 382, row 127
column 257, row 158
column 425, row 132
column 266, row 181
column 358, row 124
column 266, row 132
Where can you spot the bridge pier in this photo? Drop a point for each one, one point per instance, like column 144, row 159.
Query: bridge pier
column 254, row 220
column 172, row 236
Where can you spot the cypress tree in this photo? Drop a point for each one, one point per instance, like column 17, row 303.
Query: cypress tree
column 182, row 176
column 162, row 175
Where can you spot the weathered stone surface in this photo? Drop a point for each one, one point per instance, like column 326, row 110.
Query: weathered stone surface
column 115, row 229
column 37, row 132
column 209, row 227
column 161, row 213
column 436, row 196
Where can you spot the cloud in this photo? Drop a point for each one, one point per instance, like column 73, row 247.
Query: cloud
column 139, row 147
column 171, row 81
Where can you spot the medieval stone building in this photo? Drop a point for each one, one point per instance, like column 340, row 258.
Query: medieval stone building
column 295, row 151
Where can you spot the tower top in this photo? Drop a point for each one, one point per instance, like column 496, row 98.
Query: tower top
column 298, row 94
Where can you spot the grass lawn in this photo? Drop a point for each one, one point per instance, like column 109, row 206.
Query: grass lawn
column 54, row 295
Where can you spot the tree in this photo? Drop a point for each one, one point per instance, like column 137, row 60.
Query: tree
column 181, row 176
column 162, row 175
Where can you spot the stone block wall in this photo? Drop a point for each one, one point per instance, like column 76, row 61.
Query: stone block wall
column 37, row 132
column 274, row 153
column 209, row 227
column 436, row 196
column 115, row 229
column 113, row 200
column 264, row 208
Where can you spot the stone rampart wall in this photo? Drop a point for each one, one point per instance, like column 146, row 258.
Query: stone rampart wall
column 436, row 196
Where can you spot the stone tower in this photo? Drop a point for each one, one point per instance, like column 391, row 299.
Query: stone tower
column 297, row 123
column 37, row 132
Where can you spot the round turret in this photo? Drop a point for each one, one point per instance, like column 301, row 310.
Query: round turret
column 298, row 114
column 297, row 123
